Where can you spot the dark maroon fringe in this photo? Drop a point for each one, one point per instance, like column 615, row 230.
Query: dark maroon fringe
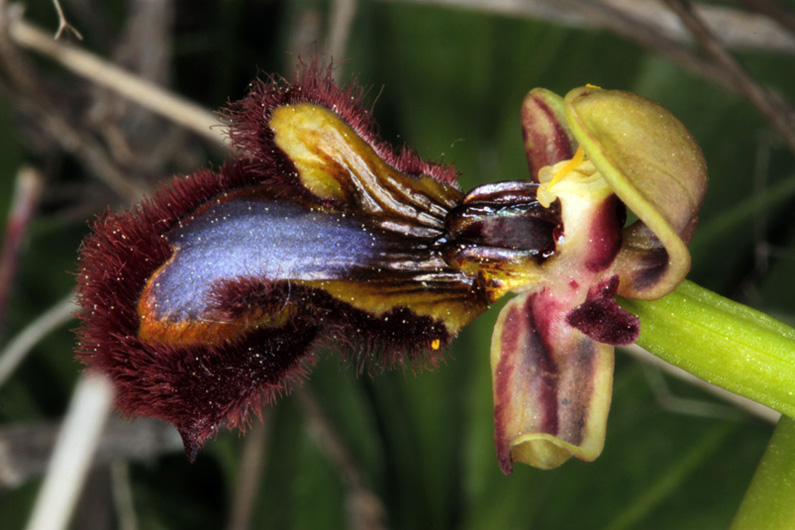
column 369, row 342
column 253, row 138
column 197, row 387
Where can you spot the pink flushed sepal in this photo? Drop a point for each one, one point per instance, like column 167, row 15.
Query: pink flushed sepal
column 552, row 385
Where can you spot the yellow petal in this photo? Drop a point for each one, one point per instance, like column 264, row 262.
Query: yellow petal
column 653, row 164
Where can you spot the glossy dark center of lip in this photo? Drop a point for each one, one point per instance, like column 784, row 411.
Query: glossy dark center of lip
column 505, row 216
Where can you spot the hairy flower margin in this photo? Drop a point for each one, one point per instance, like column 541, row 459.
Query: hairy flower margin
column 220, row 292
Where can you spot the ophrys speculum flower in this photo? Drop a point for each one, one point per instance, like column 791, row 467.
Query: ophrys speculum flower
column 221, row 291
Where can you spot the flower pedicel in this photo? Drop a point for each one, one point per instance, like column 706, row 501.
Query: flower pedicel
column 218, row 293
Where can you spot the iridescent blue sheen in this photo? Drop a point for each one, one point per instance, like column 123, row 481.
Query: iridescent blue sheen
column 246, row 238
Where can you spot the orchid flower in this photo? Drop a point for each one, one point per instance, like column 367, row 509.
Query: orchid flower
column 219, row 293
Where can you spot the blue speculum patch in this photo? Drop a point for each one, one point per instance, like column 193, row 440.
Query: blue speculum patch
column 245, row 238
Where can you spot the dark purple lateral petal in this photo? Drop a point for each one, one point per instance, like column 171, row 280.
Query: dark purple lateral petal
column 547, row 138
column 602, row 319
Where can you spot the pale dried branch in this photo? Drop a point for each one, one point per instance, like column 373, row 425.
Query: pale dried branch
column 739, row 29
column 132, row 87
column 74, row 450
column 16, row 350
column 27, row 191
column 63, row 24
column 776, row 112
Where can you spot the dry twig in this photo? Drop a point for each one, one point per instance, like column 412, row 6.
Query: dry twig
column 776, row 112
column 16, row 350
column 25, row 449
column 366, row 511
column 249, row 473
column 63, row 24
column 132, row 87
column 29, row 184
column 73, row 453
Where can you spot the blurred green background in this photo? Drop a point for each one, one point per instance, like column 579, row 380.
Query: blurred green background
column 450, row 83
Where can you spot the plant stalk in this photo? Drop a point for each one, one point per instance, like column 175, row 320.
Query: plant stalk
column 721, row 341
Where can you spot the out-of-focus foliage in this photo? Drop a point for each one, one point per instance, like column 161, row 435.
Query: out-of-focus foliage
column 450, row 83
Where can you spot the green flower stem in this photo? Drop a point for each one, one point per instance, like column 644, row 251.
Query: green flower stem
column 744, row 351
column 721, row 341
column 769, row 502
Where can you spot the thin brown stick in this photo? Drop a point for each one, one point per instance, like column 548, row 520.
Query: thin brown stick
column 249, row 474
column 365, row 508
column 63, row 24
column 776, row 112
column 132, row 87
column 29, row 184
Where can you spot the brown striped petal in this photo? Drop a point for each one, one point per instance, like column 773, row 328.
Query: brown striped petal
column 552, row 385
column 547, row 138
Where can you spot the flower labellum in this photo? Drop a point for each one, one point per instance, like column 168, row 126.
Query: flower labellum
column 218, row 293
